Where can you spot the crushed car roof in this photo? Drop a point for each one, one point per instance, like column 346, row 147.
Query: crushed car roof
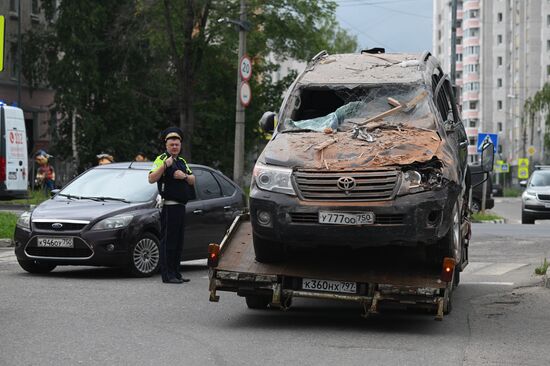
column 365, row 68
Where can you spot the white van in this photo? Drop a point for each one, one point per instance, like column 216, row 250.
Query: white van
column 14, row 171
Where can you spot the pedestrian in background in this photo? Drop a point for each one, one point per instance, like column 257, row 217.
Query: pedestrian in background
column 175, row 184
column 141, row 157
column 103, row 159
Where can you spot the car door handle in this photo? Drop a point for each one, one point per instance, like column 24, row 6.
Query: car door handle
column 464, row 143
column 198, row 212
column 227, row 208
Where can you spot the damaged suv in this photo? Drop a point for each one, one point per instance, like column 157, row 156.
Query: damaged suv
column 368, row 150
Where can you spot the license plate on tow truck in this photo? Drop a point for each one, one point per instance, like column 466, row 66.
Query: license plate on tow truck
column 329, row 286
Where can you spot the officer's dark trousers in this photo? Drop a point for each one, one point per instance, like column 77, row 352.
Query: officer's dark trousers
column 172, row 220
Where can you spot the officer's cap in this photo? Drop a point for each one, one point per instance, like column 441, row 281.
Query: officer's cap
column 172, row 132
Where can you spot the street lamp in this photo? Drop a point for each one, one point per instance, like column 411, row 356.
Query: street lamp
column 238, row 164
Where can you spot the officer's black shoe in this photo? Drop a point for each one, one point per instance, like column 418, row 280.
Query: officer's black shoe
column 185, row 279
column 173, row 280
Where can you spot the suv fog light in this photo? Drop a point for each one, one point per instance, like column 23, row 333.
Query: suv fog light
column 110, row 247
column 264, row 218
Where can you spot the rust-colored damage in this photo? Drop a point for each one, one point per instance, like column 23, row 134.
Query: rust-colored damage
column 391, row 146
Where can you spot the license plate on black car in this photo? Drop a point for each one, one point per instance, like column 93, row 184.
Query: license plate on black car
column 55, row 242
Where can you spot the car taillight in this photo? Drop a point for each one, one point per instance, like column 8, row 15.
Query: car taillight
column 213, row 255
column 448, row 269
column 2, row 168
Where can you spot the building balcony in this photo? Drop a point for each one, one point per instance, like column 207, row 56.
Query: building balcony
column 470, row 59
column 470, row 41
column 472, row 76
column 472, row 150
column 470, row 23
column 459, row 31
column 472, row 131
column 459, row 66
column 470, row 96
column 470, row 5
column 458, row 48
column 470, row 114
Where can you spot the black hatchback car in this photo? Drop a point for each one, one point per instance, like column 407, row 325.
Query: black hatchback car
column 109, row 216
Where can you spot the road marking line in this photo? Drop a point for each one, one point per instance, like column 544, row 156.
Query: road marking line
column 488, row 283
column 475, row 266
column 499, row 269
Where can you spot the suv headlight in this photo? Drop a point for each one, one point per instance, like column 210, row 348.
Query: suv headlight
column 24, row 221
column 410, row 183
column 275, row 179
column 530, row 194
column 115, row 222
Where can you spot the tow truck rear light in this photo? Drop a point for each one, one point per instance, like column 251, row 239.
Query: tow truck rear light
column 213, row 255
column 448, row 269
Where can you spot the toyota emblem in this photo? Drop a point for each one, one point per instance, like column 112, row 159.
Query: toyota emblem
column 345, row 184
column 57, row 225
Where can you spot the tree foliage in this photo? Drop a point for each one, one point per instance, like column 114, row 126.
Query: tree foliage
column 128, row 68
column 540, row 102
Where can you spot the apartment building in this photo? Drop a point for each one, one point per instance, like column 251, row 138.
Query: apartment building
column 503, row 58
column 25, row 14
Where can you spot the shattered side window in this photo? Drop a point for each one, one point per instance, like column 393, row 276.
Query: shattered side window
column 346, row 109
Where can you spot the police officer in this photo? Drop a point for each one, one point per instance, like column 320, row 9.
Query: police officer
column 175, row 184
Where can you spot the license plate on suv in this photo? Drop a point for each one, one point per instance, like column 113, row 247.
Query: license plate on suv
column 346, row 218
column 329, row 286
column 55, row 242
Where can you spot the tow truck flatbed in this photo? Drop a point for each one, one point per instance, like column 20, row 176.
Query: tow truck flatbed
column 369, row 282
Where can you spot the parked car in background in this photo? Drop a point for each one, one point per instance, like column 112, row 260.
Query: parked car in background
column 109, row 216
column 477, row 189
column 13, row 153
column 535, row 200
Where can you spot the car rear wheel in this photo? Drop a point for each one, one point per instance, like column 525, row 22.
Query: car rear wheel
column 526, row 219
column 144, row 256
column 257, row 301
column 476, row 206
column 32, row 266
column 267, row 251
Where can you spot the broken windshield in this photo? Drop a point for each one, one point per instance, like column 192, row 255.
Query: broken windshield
column 358, row 109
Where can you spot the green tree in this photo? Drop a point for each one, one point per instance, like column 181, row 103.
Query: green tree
column 123, row 70
column 540, row 102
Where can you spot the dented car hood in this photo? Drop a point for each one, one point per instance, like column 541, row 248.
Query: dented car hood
column 340, row 151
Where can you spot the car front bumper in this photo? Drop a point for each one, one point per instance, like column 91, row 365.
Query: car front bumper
column 411, row 220
column 91, row 248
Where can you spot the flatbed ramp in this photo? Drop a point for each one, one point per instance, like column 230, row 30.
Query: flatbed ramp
column 370, row 281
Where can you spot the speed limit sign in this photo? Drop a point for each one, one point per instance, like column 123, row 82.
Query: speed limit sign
column 245, row 68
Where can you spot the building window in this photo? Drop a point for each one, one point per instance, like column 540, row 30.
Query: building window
column 499, row 61
column 14, row 6
column 34, row 7
column 499, row 126
column 499, row 105
column 547, row 70
column 499, row 39
column 472, row 140
column 499, row 82
column 472, row 105
column 472, row 123
column 548, row 20
column 13, row 60
column 499, row 17
column 548, row 45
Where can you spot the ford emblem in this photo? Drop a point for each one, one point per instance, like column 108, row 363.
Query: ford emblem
column 57, row 225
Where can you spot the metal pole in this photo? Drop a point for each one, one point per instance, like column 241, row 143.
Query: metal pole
column 19, row 53
column 453, row 41
column 238, row 165
column 484, row 192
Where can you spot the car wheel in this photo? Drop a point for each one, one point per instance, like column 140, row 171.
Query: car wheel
column 257, row 301
column 144, row 256
column 450, row 245
column 267, row 251
column 32, row 266
column 526, row 219
column 476, row 206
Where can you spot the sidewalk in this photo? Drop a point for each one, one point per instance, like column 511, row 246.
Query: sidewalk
column 4, row 243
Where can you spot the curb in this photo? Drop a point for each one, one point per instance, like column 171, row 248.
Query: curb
column 498, row 221
column 6, row 243
column 15, row 207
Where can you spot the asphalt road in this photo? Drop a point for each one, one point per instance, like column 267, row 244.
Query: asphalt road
column 99, row 316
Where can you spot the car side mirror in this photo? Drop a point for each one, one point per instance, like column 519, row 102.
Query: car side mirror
column 450, row 125
column 487, row 156
column 53, row 192
column 523, row 183
column 267, row 122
